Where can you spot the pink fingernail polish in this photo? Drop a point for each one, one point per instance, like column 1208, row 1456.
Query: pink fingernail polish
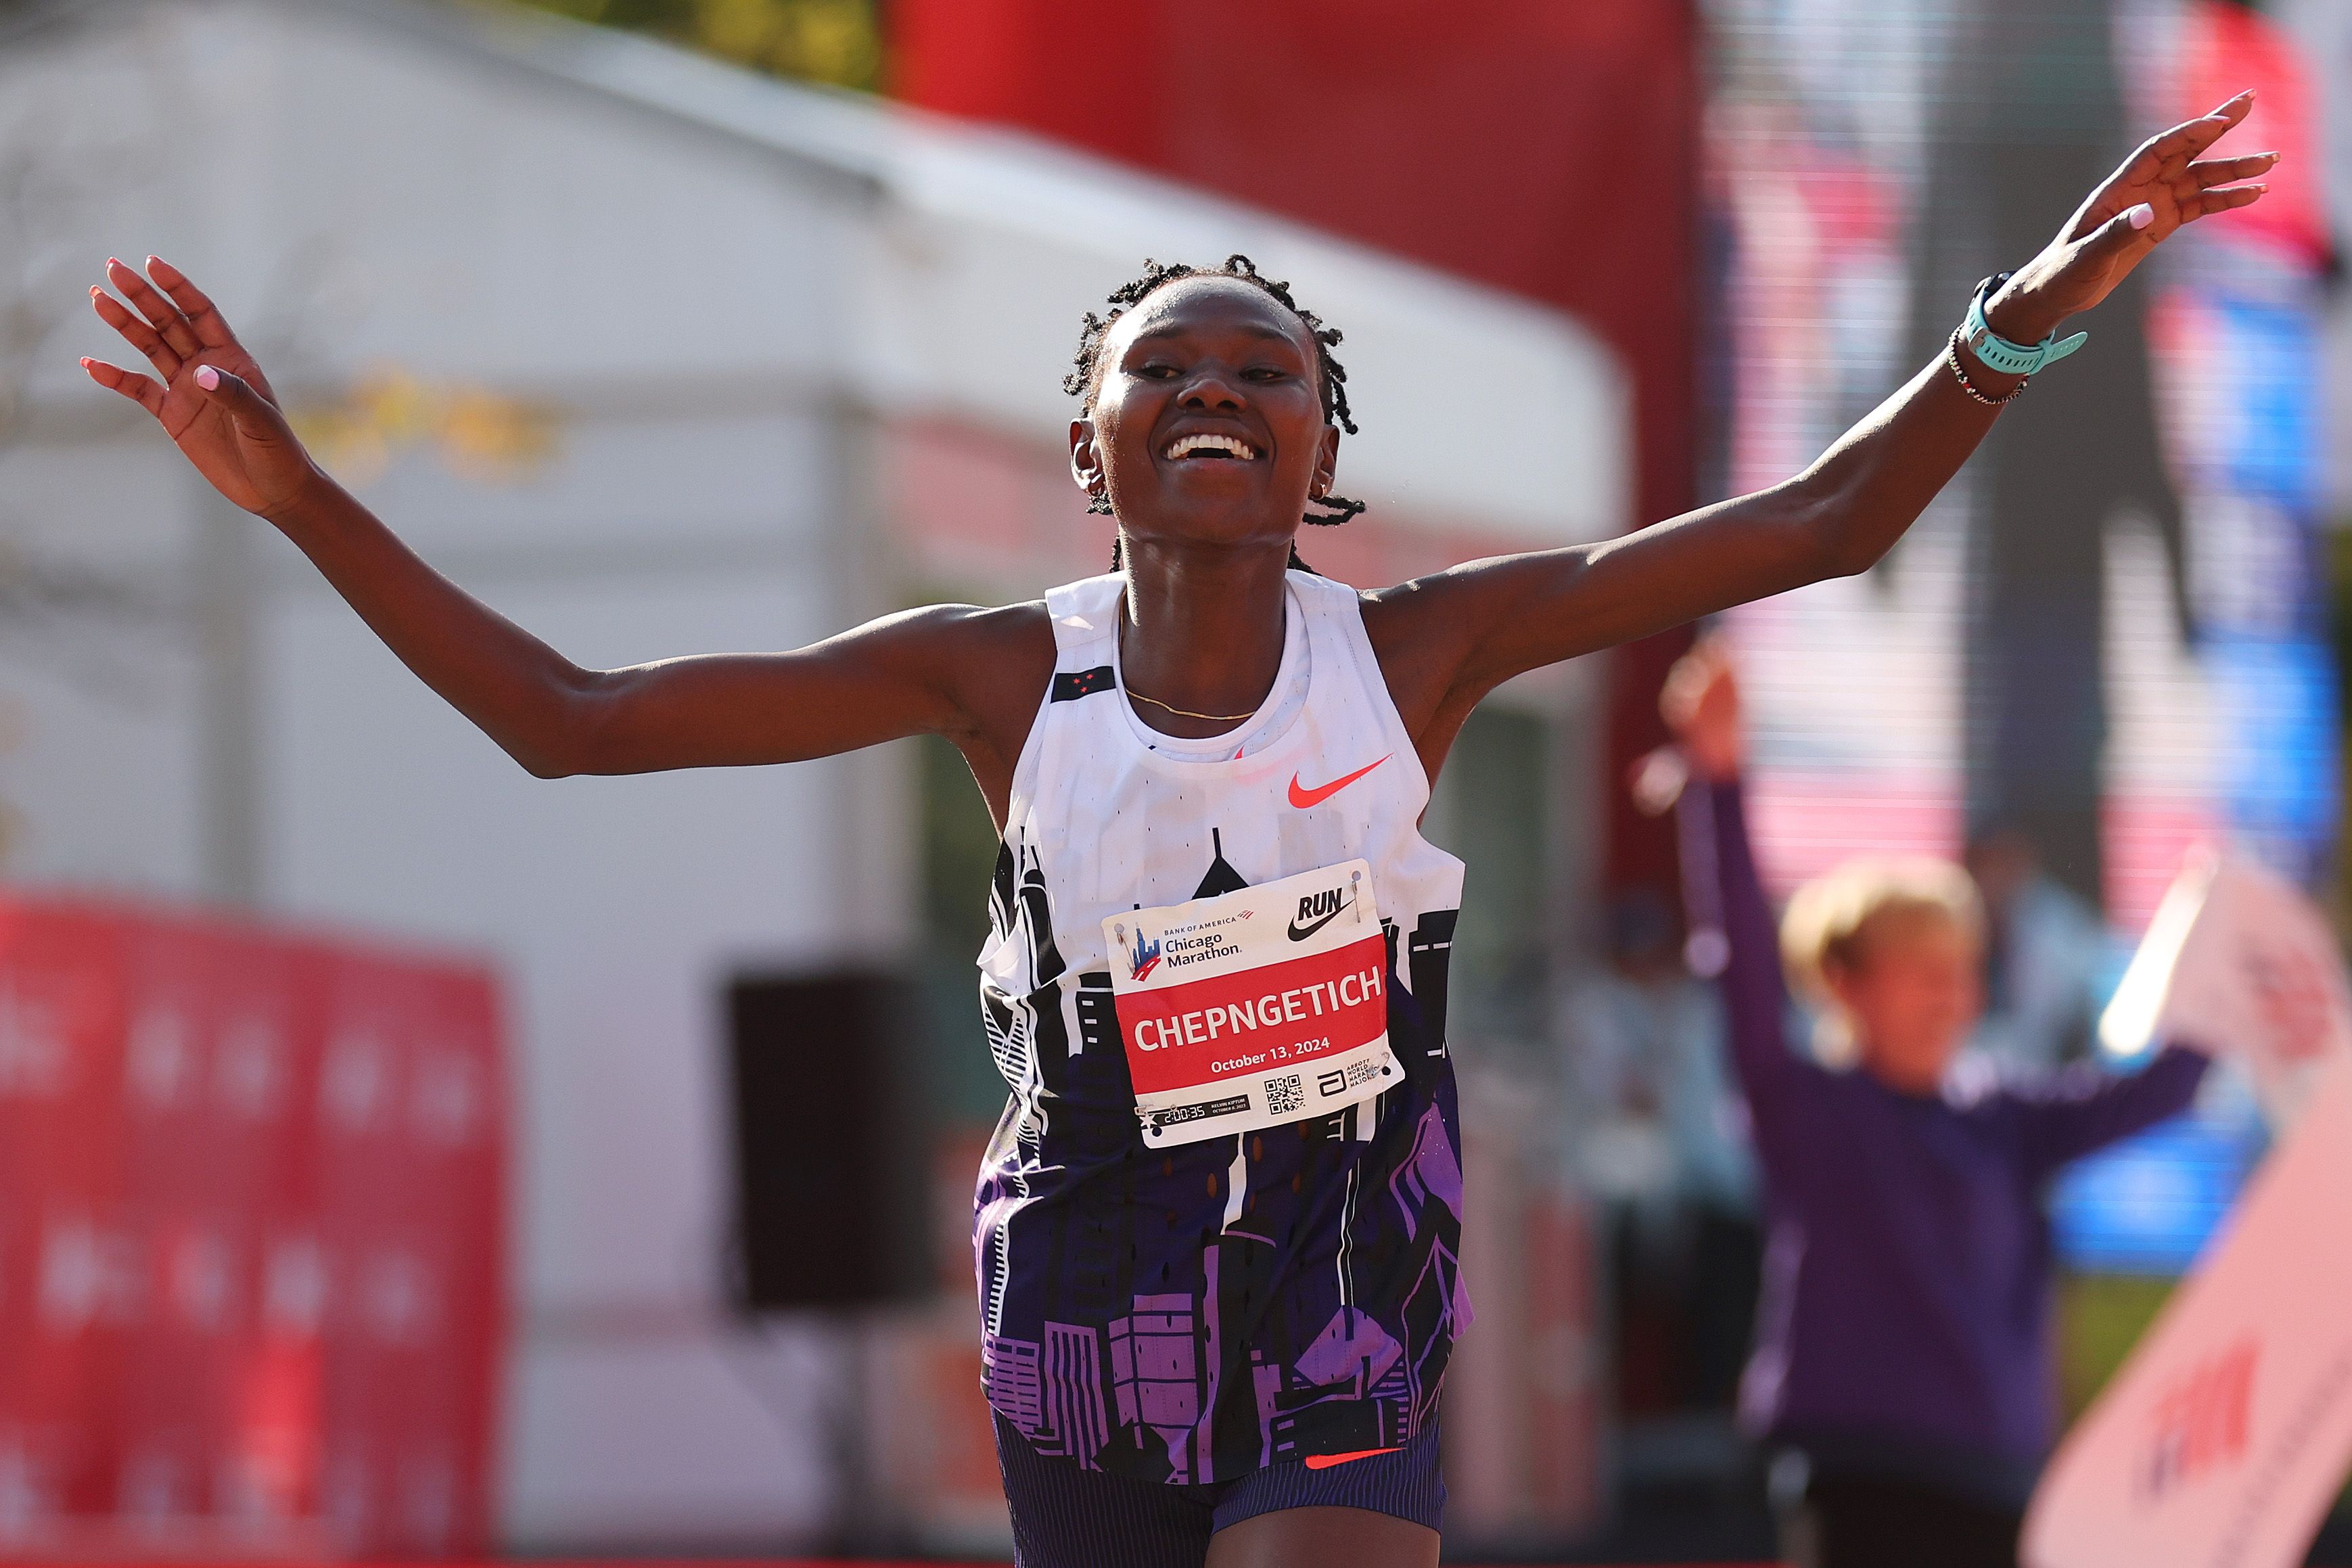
column 2141, row 215
column 208, row 378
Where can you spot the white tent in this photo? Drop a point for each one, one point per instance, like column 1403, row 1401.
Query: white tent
column 657, row 357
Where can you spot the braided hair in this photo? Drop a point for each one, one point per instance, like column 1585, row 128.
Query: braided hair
column 1086, row 374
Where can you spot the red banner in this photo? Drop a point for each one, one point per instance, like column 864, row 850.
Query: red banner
column 251, row 1240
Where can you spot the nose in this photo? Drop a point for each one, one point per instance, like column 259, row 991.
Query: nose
column 1211, row 390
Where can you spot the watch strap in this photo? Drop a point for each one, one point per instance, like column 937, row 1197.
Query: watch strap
column 1997, row 353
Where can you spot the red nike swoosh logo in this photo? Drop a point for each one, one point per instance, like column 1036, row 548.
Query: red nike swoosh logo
column 1324, row 1461
column 1303, row 797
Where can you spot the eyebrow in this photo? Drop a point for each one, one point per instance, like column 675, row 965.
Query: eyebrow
column 1254, row 329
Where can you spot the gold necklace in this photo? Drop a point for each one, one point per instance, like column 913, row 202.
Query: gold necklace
column 1187, row 712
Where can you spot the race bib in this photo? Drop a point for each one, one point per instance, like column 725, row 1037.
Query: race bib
column 1254, row 1008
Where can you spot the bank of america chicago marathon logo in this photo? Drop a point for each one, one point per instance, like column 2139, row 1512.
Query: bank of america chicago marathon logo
column 1143, row 957
column 1177, row 945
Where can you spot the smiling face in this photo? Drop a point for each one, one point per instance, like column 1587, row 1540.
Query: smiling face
column 1207, row 423
column 1911, row 992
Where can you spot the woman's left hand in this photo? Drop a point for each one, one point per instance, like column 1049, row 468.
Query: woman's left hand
column 2165, row 185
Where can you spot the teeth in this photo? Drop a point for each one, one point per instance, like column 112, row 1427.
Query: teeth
column 1185, row 445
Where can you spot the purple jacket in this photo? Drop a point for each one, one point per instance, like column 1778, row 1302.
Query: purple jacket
column 1904, row 1327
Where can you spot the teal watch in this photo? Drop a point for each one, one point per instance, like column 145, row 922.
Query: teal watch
column 1997, row 353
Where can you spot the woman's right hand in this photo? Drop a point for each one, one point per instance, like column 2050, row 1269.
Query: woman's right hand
column 212, row 399
column 1700, row 704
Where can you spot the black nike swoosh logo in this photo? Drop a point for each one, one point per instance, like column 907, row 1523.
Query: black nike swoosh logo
column 1297, row 934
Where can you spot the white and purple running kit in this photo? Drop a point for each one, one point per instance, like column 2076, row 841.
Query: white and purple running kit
column 1165, row 1301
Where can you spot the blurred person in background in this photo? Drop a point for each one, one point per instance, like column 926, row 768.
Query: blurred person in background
column 1658, row 1136
column 1214, row 1331
column 1901, row 1370
column 2047, row 953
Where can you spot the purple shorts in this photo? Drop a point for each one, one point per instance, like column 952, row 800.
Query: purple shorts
column 1063, row 1516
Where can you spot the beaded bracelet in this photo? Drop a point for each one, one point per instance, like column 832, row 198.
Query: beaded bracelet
column 1952, row 358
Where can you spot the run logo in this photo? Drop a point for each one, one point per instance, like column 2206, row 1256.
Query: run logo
column 1317, row 911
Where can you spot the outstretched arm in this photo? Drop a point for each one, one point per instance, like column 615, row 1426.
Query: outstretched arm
column 2082, row 1109
column 905, row 675
column 1471, row 628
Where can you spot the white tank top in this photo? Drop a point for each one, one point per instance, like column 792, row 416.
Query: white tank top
column 1294, row 1287
column 1116, row 815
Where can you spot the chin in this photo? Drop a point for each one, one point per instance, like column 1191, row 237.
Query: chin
column 1216, row 520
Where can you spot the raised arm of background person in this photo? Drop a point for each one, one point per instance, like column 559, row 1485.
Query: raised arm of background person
column 1462, row 632
column 2082, row 1108
column 907, row 674
column 1787, row 1109
column 1789, row 1114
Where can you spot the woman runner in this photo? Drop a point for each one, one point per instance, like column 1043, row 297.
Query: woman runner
column 1216, row 1230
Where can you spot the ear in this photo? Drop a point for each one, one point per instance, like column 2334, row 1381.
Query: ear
column 1086, row 458
column 1842, row 985
column 1326, row 464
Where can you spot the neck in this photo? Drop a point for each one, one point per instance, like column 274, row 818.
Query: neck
column 1201, row 627
column 1915, row 1081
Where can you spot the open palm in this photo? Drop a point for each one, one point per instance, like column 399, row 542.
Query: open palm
column 2169, row 183
column 242, row 444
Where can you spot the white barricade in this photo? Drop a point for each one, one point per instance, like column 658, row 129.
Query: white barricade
column 2227, row 1432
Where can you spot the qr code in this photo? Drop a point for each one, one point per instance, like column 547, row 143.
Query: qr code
column 1285, row 1094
